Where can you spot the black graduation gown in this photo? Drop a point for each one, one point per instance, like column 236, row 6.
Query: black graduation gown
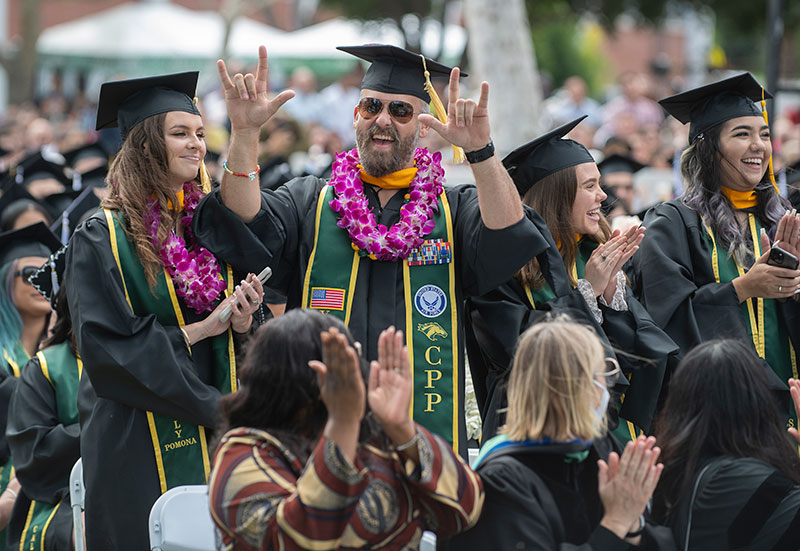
column 135, row 364
column 282, row 237
column 44, row 452
column 741, row 503
column 518, row 515
column 673, row 277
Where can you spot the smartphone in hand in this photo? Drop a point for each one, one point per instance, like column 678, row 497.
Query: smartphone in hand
column 226, row 312
column 781, row 258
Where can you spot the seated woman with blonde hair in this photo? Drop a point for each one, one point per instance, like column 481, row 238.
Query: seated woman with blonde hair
column 554, row 478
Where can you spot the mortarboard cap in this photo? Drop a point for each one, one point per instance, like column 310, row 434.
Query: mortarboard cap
column 124, row 103
column 707, row 106
column 12, row 194
column 71, row 207
column 36, row 167
column 545, row 155
column 619, row 163
column 34, row 240
column 86, row 151
column 394, row 70
column 49, row 277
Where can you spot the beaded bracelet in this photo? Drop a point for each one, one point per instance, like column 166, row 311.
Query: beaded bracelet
column 251, row 175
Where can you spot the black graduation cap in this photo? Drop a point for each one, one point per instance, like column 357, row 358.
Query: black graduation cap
column 707, row 106
column 48, row 278
column 13, row 193
column 92, row 178
column 36, row 167
column 72, row 206
column 545, row 155
column 395, row 70
column 86, row 151
column 124, row 103
column 619, row 163
column 34, row 240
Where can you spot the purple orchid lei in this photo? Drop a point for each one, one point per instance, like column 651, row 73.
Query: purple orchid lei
column 416, row 216
column 195, row 273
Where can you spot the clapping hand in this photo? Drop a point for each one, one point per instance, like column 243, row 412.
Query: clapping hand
column 625, row 484
column 467, row 122
column 788, row 233
column 391, row 387
column 249, row 106
column 607, row 259
column 341, row 385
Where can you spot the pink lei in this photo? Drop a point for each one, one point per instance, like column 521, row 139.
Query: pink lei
column 416, row 216
column 195, row 273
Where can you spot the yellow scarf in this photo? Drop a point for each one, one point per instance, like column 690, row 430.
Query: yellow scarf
column 740, row 199
column 179, row 195
column 396, row 180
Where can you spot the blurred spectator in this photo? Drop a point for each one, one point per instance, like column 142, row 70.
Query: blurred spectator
column 304, row 107
column 625, row 114
column 572, row 102
column 279, row 138
column 617, row 175
column 338, row 103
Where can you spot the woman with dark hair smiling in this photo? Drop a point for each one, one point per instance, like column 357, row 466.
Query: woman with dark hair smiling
column 703, row 271
column 311, row 459
column 580, row 274
column 731, row 475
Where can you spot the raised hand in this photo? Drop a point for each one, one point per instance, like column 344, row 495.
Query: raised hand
column 625, row 484
column 794, row 390
column 390, row 387
column 467, row 122
column 633, row 237
column 246, row 98
column 341, row 386
column 765, row 281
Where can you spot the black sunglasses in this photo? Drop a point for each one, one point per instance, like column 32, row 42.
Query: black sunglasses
column 26, row 273
column 401, row 111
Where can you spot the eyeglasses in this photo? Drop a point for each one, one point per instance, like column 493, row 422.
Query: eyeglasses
column 611, row 373
column 26, row 272
column 401, row 111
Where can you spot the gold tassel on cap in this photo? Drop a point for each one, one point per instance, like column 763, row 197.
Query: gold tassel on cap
column 439, row 110
column 205, row 179
column 766, row 121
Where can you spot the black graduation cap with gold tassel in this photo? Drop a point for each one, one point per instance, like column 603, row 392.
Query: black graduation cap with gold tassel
column 394, row 70
column 125, row 103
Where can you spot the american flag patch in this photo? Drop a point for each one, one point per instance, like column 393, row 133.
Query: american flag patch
column 325, row 298
column 432, row 251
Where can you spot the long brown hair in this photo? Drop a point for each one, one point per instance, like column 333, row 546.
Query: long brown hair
column 138, row 173
column 552, row 197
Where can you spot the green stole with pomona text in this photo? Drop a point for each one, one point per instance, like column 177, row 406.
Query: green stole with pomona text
column 762, row 318
column 63, row 370
column 180, row 448
column 431, row 310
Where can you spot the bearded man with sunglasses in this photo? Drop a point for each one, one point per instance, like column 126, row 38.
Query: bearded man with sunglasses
column 384, row 242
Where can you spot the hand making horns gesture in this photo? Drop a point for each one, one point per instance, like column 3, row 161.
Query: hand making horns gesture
column 246, row 98
column 467, row 122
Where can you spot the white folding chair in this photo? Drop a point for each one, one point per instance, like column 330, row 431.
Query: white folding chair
column 77, row 495
column 180, row 520
column 428, row 542
column 472, row 453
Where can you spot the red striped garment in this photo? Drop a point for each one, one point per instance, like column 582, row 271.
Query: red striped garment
column 262, row 497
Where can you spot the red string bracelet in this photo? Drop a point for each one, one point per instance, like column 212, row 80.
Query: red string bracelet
column 251, row 175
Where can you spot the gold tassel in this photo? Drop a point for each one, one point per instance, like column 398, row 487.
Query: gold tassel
column 439, row 110
column 205, row 179
column 766, row 121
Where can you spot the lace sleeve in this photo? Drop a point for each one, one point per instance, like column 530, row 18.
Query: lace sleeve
column 587, row 291
column 618, row 302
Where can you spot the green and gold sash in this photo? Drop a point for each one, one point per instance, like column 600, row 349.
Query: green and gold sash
column 63, row 370
column 770, row 337
column 431, row 309
column 180, row 448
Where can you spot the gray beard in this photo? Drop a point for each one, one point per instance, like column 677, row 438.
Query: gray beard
column 381, row 163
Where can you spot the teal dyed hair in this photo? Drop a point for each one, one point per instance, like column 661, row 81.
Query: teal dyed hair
column 10, row 320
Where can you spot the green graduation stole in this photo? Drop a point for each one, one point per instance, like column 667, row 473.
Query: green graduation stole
column 180, row 448
column 625, row 429
column 63, row 371
column 431, row 309
column 770, row 338
column 15, row 360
